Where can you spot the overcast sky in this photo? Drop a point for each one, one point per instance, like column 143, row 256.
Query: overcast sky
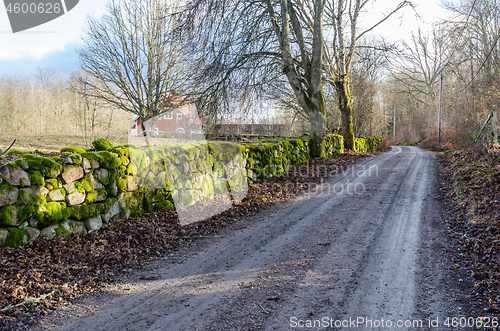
column 52, row 45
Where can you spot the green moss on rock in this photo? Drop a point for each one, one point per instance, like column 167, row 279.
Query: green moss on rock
column 122, row 171
column 109, row 160
column 187, row 198
column 36, row 178
column 52, row 184
column 374, row 142
column 48, row 167
column 52, row 213
column 101, row 195
column 162, row 205
column 102, row 145
column 103, row 176
column 93, row 157
column 66, row 228
column 75, row 158
column 361, row 145
column 72, row 150
column 14, row 215
column 34, row 194
column 85, row 211
column 14, row 174
column 207, row 186
column 123, row 153
column 15, row 152
column 25, row 212
column 86, row 183
column 22, row 163
column 12, row 237
column 189, row 151
column 60, row 230
column 79, row 187
column 11, row 166
column 7, row 214
column 90, row 197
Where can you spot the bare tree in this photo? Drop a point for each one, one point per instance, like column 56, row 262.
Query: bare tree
column 343, row 21
column 45, row 105
column 368, row 70
column 248, row 46
column 421, row 62
column 133, row 58
column 264, row 39
column 88, row 110
column 465, row 49
column 477, row 33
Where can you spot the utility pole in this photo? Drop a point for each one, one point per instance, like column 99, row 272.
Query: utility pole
column 439, row 113
column 494, row 124
column 394, row 125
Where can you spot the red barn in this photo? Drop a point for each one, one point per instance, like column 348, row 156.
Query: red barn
column 183, row 120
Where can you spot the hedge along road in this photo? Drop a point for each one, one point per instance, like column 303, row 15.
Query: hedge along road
column 367, row 246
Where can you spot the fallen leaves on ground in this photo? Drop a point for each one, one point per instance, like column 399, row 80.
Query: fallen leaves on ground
column 469, row 184
column 78, row 264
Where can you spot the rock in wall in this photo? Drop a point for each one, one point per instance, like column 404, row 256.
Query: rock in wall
column 77, row 191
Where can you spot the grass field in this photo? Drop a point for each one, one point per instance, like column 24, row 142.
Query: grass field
column 51, row 143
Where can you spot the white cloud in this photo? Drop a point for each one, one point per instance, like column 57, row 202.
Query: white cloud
column 49, row 37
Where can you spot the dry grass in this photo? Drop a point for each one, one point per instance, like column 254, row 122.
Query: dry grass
column 51, row 143
column 450, row 139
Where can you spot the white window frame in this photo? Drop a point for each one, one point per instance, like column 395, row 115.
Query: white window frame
column 179, row 116
column 168, row 116
column 180, row 130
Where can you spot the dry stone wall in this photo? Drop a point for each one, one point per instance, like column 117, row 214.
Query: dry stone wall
column 77, row 191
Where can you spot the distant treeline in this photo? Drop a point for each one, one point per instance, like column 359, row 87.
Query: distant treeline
column 47, row 103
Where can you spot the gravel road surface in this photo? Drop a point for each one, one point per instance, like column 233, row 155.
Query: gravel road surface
column 368, row 249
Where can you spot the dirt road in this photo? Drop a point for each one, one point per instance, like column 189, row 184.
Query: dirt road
column 368, row 246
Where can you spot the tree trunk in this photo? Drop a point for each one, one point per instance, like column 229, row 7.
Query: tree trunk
column 152, row 126
column 316, row 148
column 143, row 128
column 346, row 110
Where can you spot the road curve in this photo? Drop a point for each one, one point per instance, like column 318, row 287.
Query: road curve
column 366, row 246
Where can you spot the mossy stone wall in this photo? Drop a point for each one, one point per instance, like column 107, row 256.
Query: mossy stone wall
column 268, row 159
column 367, row 144
column 78, row 190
